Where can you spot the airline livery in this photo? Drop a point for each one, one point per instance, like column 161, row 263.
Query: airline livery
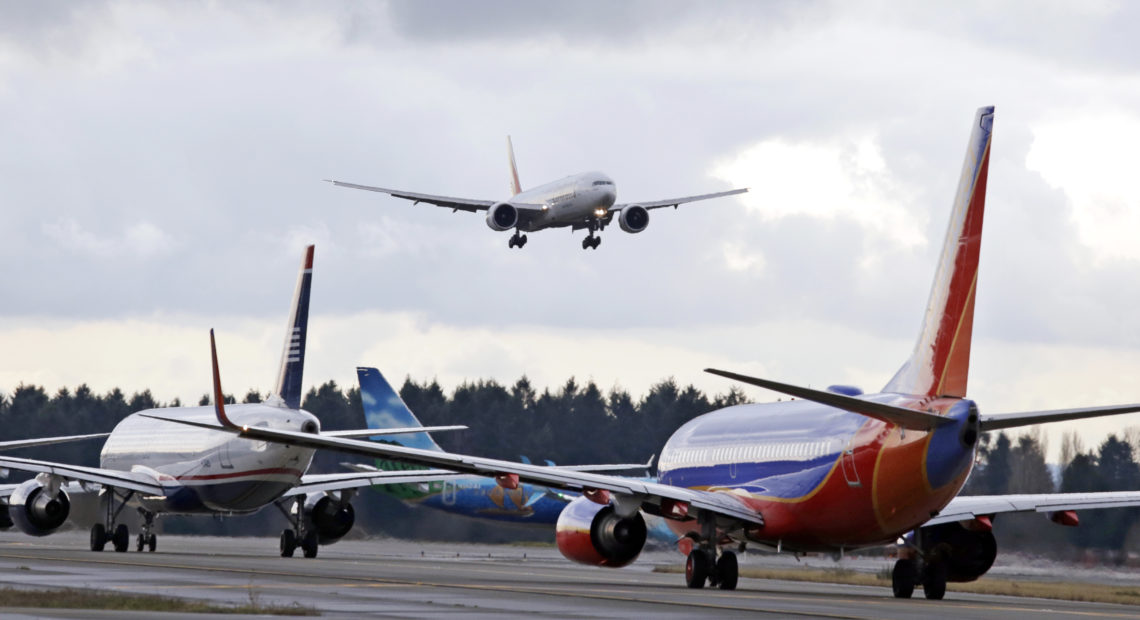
column 829, row 471
column 582, row 201
column 165, row 468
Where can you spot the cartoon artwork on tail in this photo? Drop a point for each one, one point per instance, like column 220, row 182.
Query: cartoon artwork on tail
column 940, row 363
column 288, row 389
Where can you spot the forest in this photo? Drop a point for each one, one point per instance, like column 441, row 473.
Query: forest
column 581, row 423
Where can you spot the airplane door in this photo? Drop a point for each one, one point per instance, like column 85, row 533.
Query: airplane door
column 448, row 494
column 850, row 474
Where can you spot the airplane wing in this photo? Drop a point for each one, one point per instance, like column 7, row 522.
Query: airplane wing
column 129, row 480
column 458, row 204
column 316, row 483
column 46, row 441
column 675, row 202
column 376, row 432
column 965, row 508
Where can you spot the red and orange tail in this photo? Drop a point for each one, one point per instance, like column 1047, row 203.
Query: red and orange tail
column 940, row 364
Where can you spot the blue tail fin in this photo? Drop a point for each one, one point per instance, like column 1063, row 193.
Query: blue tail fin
column 293, row 354
column 383, row 408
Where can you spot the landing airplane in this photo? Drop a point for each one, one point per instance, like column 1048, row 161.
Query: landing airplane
column 165, row 468
column 831, row 470
column 581, row 201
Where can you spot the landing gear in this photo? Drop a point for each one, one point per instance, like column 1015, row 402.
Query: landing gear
column 297, row 535
column 517, row 241
column 703, row 565
column 591, row 242
column 697, row 568
column 108, row 531
column 727, row 571
column 903, row 578
column 147, row 538
column 934, row 580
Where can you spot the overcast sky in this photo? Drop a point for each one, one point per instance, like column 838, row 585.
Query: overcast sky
column 162, row 163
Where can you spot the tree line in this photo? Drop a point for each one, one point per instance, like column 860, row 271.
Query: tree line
column 578, row 423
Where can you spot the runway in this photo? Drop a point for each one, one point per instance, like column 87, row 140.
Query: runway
column 400, row 579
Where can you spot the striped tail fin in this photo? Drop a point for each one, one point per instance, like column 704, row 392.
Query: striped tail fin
column 383, row 408
column 516, row 188
column 940, row 363
column 293, row 354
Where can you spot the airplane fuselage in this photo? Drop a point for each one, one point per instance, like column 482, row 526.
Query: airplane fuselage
column 822, row 477
column 207, row 471
column 570, row 201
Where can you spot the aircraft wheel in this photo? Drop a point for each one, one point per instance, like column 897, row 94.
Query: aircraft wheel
column 288, row 543
column 122, row 538
column 511, row 243
column 309, row 545
column 727, row 571
column 522, row 241
column 697, row 569
column 903, row 578
column 98, row 537
column 596, row 243
column 140, row 542
column 586, row 243
column 152, row 543
column 934, row 581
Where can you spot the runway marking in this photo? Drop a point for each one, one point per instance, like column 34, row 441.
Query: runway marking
column 640, row 595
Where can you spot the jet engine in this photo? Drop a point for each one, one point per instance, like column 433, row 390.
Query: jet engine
column 329, row 518
column 38, row 509
column 502, row 216
column 590, row 533
column 968, row 554
column 634, row 219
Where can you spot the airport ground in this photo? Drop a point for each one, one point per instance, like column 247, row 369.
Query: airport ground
column 404, row 579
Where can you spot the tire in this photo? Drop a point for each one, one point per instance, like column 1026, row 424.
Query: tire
column 934, row 581
column 586, row 243
column 122, row 538
column 903, row 578
column 727, row 571
column 309, row 545
column 697, row 569
column 152, row 543
column 288, row 543
column 140, row 542
column 98, row 537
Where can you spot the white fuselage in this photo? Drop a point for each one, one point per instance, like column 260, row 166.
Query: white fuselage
column 207, row 471
column 569, row 201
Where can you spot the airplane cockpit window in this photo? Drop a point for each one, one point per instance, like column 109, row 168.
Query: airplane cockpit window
column 603, row 182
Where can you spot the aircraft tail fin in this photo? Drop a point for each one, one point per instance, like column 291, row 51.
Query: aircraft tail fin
column 383, row 408
column 293, row 354
column 516, row 188
column 940, row 363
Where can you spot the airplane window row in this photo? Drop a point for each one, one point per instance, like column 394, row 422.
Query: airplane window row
column 603, row 182
column 747, row 453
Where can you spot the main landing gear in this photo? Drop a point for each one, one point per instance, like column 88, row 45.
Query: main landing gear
column 913, row 568
column 517, row 241
column 296, row 535
column 702, row 565
column 118, row 535
column 591, row 242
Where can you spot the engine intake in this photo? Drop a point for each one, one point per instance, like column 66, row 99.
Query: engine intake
column 634, row 219
column 35, row 510
column 330, row 518
column 502, row 216
column 589, row 533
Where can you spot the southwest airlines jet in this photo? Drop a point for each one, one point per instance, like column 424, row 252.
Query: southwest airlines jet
column 165, row 468
column 582, row 201
column 830, row 470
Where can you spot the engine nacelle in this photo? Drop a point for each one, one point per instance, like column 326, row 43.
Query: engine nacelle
column 634, row 219
column 502, row 216
column 330, row 518
column 590, row 533
column 35, row 510
column 968, row 554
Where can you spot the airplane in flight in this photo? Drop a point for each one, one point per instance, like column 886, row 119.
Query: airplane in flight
column 828, row 471
column 165, row 468
column 581, row 201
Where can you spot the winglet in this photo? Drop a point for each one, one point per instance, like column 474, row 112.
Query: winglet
column 293, row 354
column 219, row 398
column 516, row 188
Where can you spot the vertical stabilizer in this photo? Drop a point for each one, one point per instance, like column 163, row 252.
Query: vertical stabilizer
column 940, row 363
column 383, row 408
column 516, row 189
column 293, row 354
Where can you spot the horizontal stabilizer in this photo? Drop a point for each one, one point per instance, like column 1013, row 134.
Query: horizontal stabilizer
column 1025, row 418
column 901, row 416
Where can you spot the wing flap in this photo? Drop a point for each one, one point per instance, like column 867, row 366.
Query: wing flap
column 675, row 202
column 336, row 482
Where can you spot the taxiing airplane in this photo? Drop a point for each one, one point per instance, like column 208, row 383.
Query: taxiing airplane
column 166, row 468
column 582, row 201
column 830, row 470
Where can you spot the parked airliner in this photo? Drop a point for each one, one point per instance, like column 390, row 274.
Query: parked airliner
column 166, row 468
column 582, row 201
column 830, row 470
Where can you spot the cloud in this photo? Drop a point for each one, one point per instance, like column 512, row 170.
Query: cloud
column 141, row 240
